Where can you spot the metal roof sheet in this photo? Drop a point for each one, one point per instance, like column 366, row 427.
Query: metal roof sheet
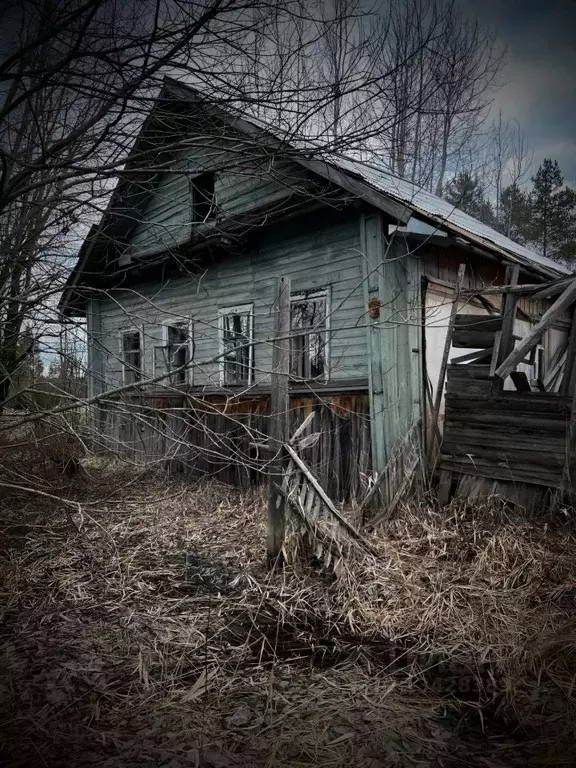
column 442, row 212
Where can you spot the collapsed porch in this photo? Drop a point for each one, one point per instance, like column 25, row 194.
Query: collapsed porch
column 516, row 443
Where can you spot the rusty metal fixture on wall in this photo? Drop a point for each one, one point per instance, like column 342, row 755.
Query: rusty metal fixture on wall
column 374, row 308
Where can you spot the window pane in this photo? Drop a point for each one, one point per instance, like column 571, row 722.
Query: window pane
column 236, row 341
column 308, row 343
column 131, row 357
column 178, row 350
column 131, row 341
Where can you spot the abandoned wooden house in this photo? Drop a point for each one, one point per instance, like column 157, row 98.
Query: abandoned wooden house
column 178, row 284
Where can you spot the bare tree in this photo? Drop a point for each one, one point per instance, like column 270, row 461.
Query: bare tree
column 509, row 163
column 405, row 39
column 466, row 63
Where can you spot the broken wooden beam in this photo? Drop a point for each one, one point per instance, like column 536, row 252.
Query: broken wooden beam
column 528, row 289
column 328, row 503
column 570, row 356
column 532, row 290
column 446, row 354
column 553, row 289
column 530, row 340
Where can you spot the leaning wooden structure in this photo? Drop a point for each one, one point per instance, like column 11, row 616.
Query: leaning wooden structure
column 504, row 434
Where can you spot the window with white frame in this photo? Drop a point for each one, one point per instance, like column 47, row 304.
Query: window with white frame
column 309, row 335
column 131, row 355
column 176, row 351
column 237, row 361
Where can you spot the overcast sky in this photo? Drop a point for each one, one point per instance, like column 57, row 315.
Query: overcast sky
column 540, row 78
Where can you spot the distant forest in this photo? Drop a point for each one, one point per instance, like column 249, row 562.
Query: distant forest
column 542, row 215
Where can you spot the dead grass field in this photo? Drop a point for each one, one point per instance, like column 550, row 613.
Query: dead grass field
column 141, row 628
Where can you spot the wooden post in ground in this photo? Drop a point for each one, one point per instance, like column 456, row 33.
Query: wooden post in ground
column 278, row 429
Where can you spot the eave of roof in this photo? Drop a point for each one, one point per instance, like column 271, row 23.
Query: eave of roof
column 446, row 216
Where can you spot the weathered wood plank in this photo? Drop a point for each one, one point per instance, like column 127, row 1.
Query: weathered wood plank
column 517, row 401
column 470, row 371
column 477, row 433
column 279, row 409
column 487, row 323
column 515, row 456
column 503, row 421
column 465, row 338
column 533, row 474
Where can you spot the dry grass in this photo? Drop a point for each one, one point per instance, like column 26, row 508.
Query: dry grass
column 143, row 629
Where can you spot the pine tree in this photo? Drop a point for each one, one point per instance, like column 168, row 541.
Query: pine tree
column 515, row 214
column 553, row 226
column 465, row 191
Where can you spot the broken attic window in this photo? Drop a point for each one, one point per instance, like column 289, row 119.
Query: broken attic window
column 309, row 335
column 131, row 356
column 236, row 342
column 203, row 199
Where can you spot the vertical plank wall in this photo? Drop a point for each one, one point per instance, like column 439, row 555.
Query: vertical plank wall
column 391, row 286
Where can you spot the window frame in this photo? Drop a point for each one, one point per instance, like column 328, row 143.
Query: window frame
column 189, row 326
column 238, row 309
column 123, row 332
column 299, row 297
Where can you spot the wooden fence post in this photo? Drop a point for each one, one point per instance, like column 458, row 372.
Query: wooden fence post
column 278, row 429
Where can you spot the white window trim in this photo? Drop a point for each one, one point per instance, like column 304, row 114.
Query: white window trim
column 174, row 324
column 320, row 293
column 239, row 309
column 121, row 333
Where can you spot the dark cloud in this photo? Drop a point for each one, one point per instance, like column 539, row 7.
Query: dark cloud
column 540, row 77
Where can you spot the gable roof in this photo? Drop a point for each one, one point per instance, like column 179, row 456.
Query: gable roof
column 367, row 181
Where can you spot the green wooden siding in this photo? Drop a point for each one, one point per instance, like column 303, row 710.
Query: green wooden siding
column 392, row 336
column 242, row 183
column 320, row 251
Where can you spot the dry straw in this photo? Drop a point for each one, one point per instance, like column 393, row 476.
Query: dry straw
column 142, row 628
